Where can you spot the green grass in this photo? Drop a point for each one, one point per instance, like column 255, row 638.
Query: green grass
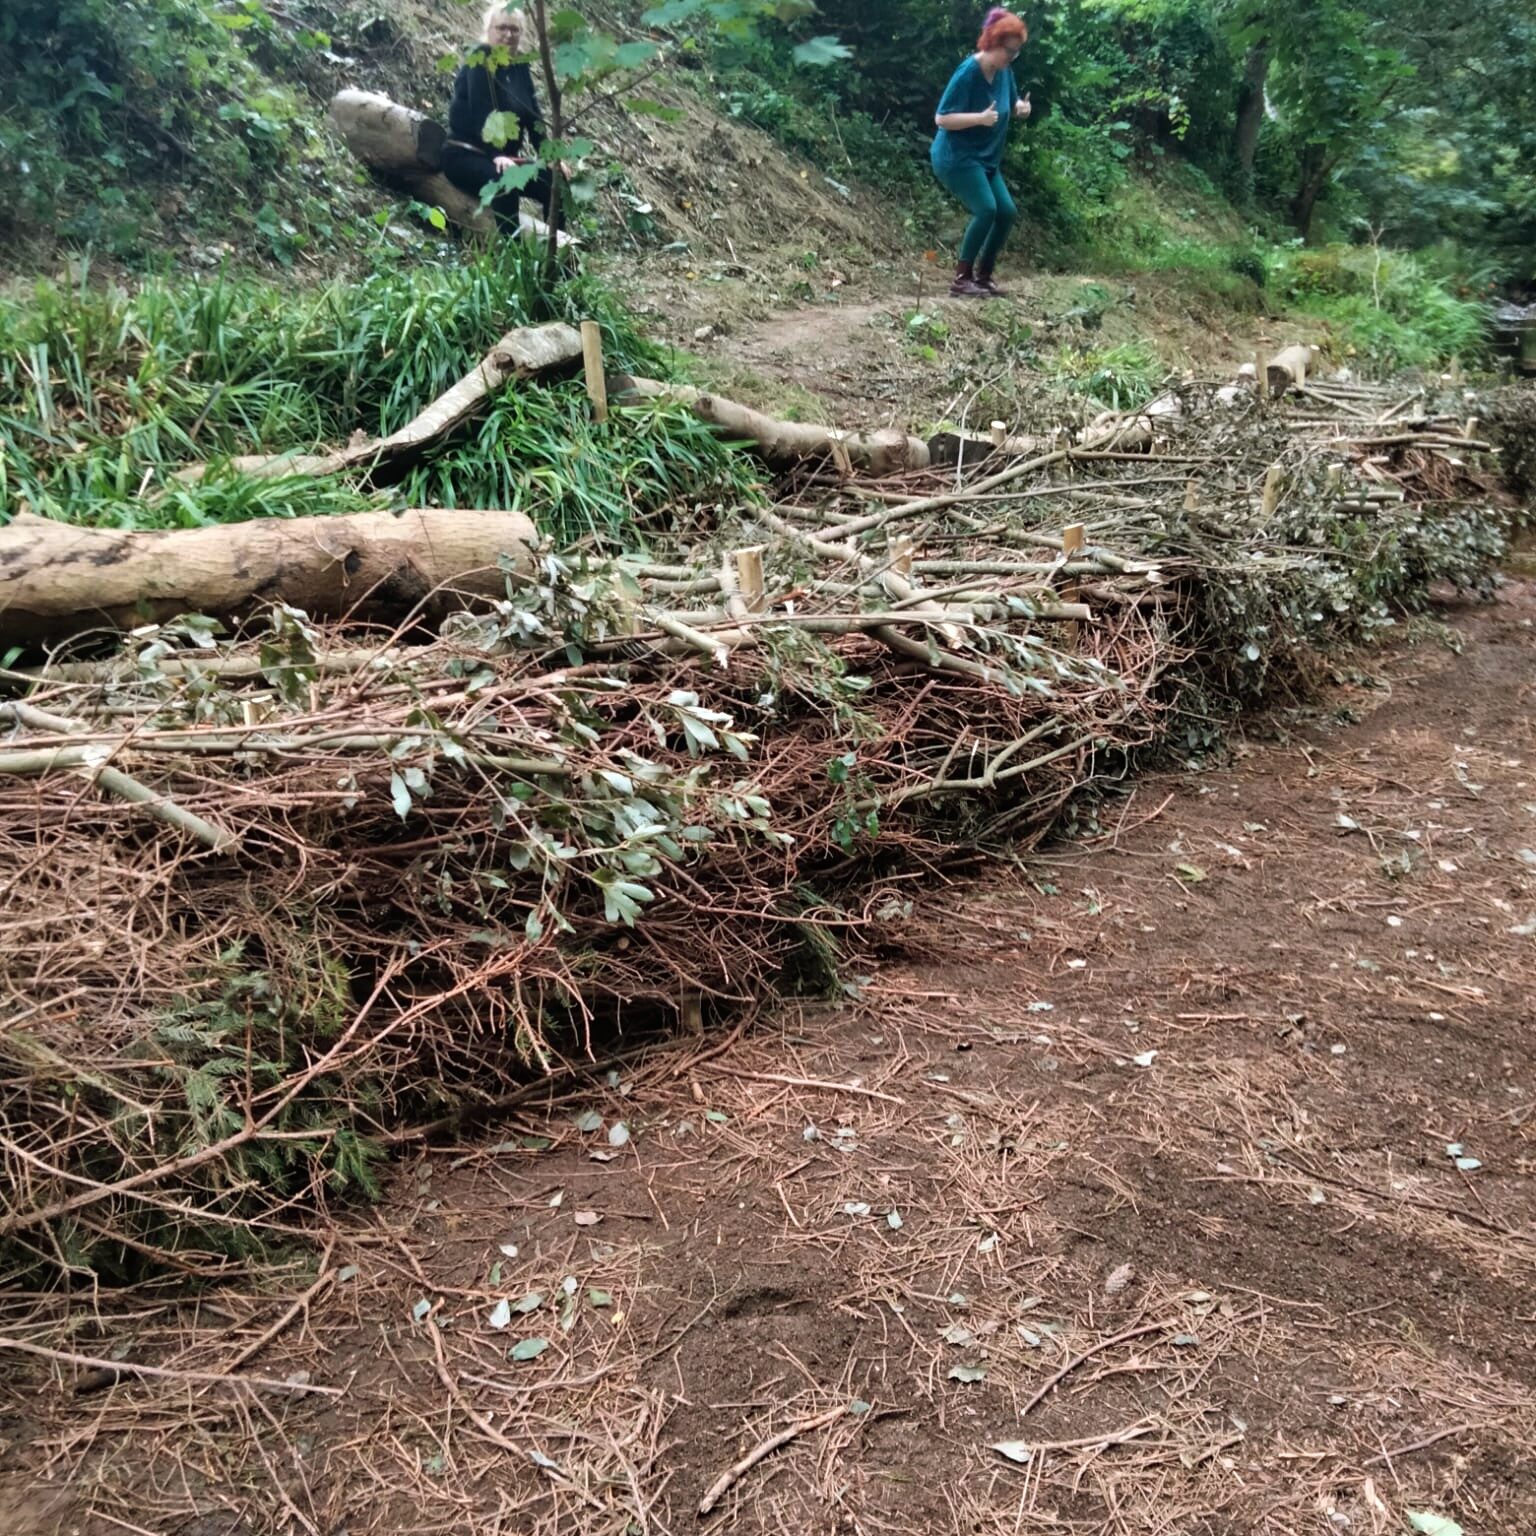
column 105, row 393
column 1119, row 378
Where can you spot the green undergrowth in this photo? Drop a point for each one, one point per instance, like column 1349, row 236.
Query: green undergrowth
column 106, row 392
column 1389, row 308
column 131, row 125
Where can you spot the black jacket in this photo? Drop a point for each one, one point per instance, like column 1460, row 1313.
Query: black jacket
column 478, row 90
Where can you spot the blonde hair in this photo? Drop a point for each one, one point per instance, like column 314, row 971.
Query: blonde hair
column 495, row 13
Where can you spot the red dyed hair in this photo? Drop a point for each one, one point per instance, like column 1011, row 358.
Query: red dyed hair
column 1001, row 29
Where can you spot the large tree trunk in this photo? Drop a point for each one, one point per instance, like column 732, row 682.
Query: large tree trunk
column 1315, row 166
column 57, row 580
column 404, row 149
column 1250, row 105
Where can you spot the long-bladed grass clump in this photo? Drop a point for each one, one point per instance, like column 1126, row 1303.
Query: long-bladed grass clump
column 106, row 393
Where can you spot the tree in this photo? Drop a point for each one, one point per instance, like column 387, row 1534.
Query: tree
column 1332, row 69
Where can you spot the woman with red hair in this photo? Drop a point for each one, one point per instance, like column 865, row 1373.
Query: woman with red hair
column 973, row 117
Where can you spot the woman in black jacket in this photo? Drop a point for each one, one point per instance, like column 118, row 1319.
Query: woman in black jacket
column 483, row 87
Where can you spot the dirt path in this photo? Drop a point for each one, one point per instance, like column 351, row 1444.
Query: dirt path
column 1143, row 1159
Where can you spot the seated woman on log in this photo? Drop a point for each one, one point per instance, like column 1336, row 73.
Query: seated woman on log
column 482, row 88
column 979, row 103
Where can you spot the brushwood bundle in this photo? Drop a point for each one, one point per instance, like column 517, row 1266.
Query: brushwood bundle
column 278, row 900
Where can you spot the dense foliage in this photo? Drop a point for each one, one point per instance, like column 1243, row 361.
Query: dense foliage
column 1325, row 117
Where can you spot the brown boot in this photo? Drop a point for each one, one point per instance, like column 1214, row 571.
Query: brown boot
column 983, row 280
column 964, row 285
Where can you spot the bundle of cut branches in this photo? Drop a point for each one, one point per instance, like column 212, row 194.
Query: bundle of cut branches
column 277, row 901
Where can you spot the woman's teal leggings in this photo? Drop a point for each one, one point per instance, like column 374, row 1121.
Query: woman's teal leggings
column 990, row 206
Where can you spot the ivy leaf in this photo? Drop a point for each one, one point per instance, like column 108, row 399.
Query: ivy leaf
column 529, row 1349
column 501, row 129
column 821, row 51
column 633, row 55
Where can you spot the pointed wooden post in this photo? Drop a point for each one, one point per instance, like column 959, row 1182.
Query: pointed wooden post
column 1271, row 503
column 1073, row 537
column 749, row 576
column 592, row 362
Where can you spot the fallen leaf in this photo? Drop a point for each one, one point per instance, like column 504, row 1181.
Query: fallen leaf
column 501, row 1314
column 1014, row 1450
column 1190, row 874
column 509, row 1250
column 893, row 1220
column 421, row 1309
column 958, row 1334
column 1145, row 1059
column 589, row 1122
column 529, row 1349
column 968, row 1374
column 1119, row 1279
column 1433, row 1525
column 529, row 1303
column 587, row 1218
column 599, row 1298
column 618, row 1135
column 856, row 1208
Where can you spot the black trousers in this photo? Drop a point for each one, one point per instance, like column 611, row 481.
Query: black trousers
column 470, row 169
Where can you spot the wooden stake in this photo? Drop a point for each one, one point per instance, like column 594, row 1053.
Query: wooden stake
column 1191, row 496
column 1272, row 477
column 592, row 360
column 1073, row 537
column 1470, row 430
column 749, row 574
column 902, row 551
column 999, row 433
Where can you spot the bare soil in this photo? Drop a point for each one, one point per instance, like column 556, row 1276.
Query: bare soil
column 1138, row 1155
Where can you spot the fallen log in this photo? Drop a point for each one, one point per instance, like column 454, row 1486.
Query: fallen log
column 404, row 150
column 782, row 443
column 1128, row 434
column 1287, row 370
column 520, row 355
column 58, row 580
